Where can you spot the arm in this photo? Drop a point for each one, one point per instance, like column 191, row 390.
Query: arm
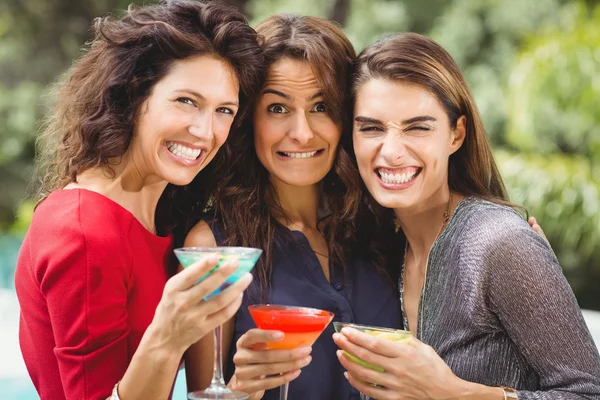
column 539, row 312
column 86, row 295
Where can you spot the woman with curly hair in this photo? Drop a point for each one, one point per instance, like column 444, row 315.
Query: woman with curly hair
column 149, row 104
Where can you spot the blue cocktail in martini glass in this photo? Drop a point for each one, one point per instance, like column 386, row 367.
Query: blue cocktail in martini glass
column 247, row 258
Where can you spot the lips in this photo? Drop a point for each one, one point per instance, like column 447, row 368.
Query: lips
column 184, row 151
column 300, row 154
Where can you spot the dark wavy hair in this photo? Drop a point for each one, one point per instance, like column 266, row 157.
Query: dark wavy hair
column 243, row 205
column 97, row 101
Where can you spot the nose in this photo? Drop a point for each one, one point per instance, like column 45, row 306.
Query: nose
column 301, row 131
column 201, row 126
column 393, row 148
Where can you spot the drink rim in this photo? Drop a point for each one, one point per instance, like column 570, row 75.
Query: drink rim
column 373, row 328
column 308, row 310
column 218, row 249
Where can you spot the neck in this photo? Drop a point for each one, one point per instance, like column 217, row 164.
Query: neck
column 134, row 191
column 423, row 224
column 296, row 207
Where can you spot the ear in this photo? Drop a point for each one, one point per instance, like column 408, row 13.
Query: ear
column 458, row 134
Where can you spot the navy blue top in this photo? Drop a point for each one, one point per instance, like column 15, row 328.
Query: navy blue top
column 362, row 296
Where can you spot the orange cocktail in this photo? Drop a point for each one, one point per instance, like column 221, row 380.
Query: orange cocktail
column 301, row 326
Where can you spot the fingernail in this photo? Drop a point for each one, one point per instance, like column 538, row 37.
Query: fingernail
column 336, row 336
column 277, row 335
column 339, row 353
column 296, row 374
column 346, row 375
column 306, row 360
column 305, row 351
column 346, row 331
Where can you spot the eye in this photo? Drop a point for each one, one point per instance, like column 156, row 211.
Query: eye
column 225, row 110
column 186, row 100
column 418, row 128
column 277, row 109
column 319, row 108
column 370, row 128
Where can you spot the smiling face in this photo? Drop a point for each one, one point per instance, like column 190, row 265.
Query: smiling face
column 403, row 141
column 294, row 137
column 185, row 120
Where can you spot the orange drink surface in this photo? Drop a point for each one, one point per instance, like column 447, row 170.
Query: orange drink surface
column 301, row 325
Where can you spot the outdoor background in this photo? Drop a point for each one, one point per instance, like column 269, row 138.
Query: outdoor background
column 533, row 66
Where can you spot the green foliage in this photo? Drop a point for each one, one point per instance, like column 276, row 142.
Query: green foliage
column 563, row 193
column 554, row 89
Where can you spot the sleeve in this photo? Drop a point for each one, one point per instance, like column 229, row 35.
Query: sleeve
column 540, row 314
column 84, row 282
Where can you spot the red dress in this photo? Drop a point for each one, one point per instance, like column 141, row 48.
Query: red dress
column 89, row 278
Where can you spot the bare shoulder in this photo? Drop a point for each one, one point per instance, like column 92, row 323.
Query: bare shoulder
column 200, row 236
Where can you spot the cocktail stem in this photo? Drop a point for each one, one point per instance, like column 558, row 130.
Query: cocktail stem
column 217, row 379
column 283, row 391
column 364, row 397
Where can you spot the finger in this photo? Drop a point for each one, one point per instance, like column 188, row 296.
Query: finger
column 258, row 336
column 213, row 281
column 223, row 315
column 219, row 302
column 372, row 391
column 245, row 356
column 353, row 340
column 190, row 275
column 366, row 374
column 532, row 221
column 252, row 371
column 271, row 382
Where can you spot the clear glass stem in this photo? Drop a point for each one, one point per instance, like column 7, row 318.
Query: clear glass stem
column 283, row 391
column 364, row 397
column 217, row 379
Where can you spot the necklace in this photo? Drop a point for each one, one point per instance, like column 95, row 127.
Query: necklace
column 422, row 296
column 309, row 247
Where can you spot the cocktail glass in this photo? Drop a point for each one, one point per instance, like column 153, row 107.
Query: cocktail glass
column 301, row 327
column 247, row 258
column 395, row 335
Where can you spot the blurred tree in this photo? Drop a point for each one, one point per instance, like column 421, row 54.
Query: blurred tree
column 554, row 89
column 38, row 41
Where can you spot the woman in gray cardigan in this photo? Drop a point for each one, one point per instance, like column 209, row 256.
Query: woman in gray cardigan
column 484, row 295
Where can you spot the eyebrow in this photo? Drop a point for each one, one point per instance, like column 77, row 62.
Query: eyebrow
column 421, row 118
column 198, row 95
column 288, row 97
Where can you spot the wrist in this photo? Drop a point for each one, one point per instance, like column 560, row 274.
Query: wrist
column 156, row 346
column 474, row 391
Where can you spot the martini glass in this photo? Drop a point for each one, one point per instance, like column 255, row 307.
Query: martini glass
column 247, row 257
column 301, row 327
column 395, row 335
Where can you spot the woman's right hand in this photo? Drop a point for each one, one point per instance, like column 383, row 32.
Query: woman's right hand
column 183, row 316
column 258, row 369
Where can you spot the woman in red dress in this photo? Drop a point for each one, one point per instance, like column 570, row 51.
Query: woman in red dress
column 149, row 103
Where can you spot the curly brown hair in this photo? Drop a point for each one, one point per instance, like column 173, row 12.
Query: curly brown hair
column 243, row 204
column 93, row 119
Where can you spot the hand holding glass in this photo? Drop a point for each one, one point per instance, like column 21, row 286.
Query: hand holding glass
column 247, row 258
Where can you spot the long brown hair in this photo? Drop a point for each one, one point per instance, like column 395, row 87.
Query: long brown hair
column 244, row 203
column 472, row 171
column 97, row 101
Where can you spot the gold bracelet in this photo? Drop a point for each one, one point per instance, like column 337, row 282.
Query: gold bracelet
column 509, row 393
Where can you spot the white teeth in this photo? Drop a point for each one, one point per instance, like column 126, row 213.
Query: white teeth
column 301, row 155
column 182, row 151
column 397, row 178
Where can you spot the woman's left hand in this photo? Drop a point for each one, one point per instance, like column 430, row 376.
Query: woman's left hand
column 411, row 371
